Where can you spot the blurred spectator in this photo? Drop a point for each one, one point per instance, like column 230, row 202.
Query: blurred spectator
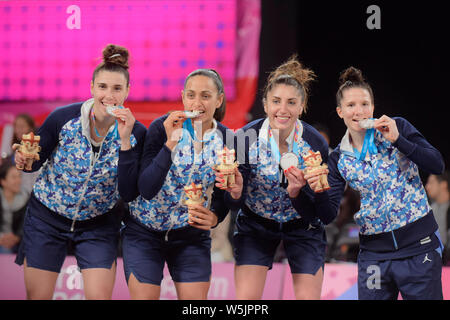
column 343, row 232
column 23, row 124
column 325, row 132
column 231, row 228
column 13, row 202
column 437, row 187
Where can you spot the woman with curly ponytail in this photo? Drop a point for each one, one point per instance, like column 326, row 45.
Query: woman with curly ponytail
column 278, row 202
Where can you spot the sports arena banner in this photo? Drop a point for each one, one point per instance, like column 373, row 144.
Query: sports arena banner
column 340, row 282
column 51, row 48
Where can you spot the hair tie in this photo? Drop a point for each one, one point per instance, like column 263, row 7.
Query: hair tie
column 285, row 76
column 115, row 55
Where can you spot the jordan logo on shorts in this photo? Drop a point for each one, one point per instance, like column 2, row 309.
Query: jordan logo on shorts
column 426, row 259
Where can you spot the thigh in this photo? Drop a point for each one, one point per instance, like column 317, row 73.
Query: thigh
column 375, row 282
column 253, row 244
column 250, row 281
column 419, row 277
column 192, row 290
column 141, row 290
column 142, row 257
column 308, row 286
column 99, row 282
column 39, row 284
column 43, row 246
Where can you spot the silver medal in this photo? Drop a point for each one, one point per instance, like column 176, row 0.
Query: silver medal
column 191, row 114
column 288, row 159
column 367, row 123
column 110, row 109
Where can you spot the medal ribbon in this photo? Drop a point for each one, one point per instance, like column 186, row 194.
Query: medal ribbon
column 274, row 147
column 368, row 145
column 187, row 124
column 116, row 131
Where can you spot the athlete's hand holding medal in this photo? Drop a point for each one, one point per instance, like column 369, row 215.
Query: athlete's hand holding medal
column 297, row 179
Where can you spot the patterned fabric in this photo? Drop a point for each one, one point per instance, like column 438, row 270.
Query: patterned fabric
column 167, row 209
column 75, row 182
column 265, row 196
column 392, row 194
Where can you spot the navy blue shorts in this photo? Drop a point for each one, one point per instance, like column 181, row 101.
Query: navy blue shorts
column 416, row 277
column 254, row 244
column 187, row 252
column 45, row 245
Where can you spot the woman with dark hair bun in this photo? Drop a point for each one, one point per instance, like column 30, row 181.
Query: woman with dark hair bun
column 400, row 247
column 74, row 200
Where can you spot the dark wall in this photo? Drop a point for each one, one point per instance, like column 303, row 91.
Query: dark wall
column 403, row 61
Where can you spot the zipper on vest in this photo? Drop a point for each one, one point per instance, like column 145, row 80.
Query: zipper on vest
column 73, row 224
column 395, row 241
column 95, row 157
column 166, row 236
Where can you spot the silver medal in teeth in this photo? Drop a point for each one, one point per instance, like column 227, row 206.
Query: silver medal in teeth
column 110, row 109
column 367, row 123
column 191, row 114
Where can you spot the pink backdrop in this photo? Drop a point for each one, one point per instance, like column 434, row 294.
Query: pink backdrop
column 45, row 64
column 339, row 282
column 50, row 48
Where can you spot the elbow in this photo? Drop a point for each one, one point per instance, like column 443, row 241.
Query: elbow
column 438, row 168
column 146, row 195
column 328, row 216
column 127, row 193
column 143, row 191
column 328, row 219
column 127, row 197
column 441, row 167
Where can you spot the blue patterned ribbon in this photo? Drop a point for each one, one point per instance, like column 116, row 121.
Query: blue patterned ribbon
column 116, row 131
column 187, row 124
column 274, row 146
column 368, row 145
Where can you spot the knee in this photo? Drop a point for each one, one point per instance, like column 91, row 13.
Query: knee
column 248, row 294
column 307, row 295
column 98, row 295
column 39, row 295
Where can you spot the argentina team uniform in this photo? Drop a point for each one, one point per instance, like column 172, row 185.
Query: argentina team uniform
column 75, row 193
column 400, row 248
column 268, row 215
column 157, row 228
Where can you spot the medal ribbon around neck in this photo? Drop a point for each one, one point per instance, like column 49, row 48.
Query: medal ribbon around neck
column 116, row 125
column 187, row 124
column 274, row 147
column 189, row 130
column 368, row 145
